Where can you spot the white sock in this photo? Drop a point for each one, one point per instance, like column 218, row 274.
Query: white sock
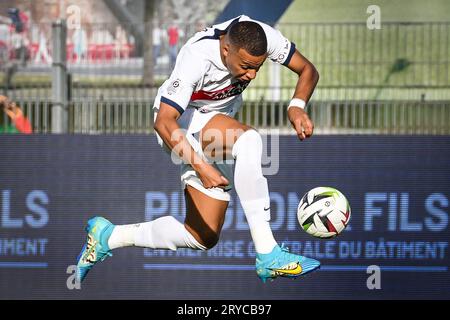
column 162, row 233
column 123, row 236
column 252, row 189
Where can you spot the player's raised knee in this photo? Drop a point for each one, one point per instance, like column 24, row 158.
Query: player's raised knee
column 249, row 141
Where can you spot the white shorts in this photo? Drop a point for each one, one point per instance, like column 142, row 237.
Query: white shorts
column 193, row 122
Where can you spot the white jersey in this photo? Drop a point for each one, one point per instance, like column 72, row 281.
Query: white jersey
column 200, row 79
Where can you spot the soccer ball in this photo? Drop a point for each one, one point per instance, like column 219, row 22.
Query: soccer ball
column 323, row 212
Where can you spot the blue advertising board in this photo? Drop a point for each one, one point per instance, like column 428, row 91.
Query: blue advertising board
column 398, row 189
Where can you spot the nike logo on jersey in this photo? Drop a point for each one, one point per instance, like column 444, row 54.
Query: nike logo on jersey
column 265, row 209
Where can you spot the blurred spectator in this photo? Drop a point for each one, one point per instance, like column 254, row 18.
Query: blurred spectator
column 101, row 45
column 79, row 39
column 4, row 40
column 174, row 35
column 157, row 37
column 19, row 28
column 42, row 52
column 121, row 50
column 20, row 124
column 18, row 19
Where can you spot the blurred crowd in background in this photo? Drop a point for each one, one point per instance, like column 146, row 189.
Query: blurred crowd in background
column 23, row 41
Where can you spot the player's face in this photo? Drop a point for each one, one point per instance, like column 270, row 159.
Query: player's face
column 242, row 65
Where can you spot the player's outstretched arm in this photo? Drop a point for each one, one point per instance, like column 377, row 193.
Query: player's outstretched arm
column 307, row 81
column 170, row 132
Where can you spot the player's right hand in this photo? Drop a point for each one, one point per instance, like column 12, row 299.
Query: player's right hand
column 301, row 122
column 211, row 177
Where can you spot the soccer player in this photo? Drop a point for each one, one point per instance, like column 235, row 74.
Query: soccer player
column 194, row 112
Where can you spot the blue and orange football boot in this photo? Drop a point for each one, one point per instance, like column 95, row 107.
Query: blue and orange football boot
column 96, row 247
column 281, row 263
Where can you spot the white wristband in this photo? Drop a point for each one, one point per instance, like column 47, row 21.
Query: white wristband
column 298, row 103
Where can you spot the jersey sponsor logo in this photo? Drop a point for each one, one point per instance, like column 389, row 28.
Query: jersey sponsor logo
column 232, row 90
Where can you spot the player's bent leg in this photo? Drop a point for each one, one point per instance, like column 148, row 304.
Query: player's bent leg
column 204, row 221
column 251, row 186
column 204, row 216
column 162, row 233
column 165, row 233
column 245, row 145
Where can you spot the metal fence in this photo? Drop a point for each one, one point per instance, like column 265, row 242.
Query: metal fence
column 89, row 116
column 399, row 74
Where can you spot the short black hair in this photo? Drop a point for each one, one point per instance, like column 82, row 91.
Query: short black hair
column 250, row 36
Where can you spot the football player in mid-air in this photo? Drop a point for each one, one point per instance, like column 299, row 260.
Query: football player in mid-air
column 202, row 96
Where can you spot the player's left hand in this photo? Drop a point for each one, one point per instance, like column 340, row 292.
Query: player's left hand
column 301, row 122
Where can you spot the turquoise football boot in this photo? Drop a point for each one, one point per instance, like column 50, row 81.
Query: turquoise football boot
column 96, row 247
column 281, row 263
